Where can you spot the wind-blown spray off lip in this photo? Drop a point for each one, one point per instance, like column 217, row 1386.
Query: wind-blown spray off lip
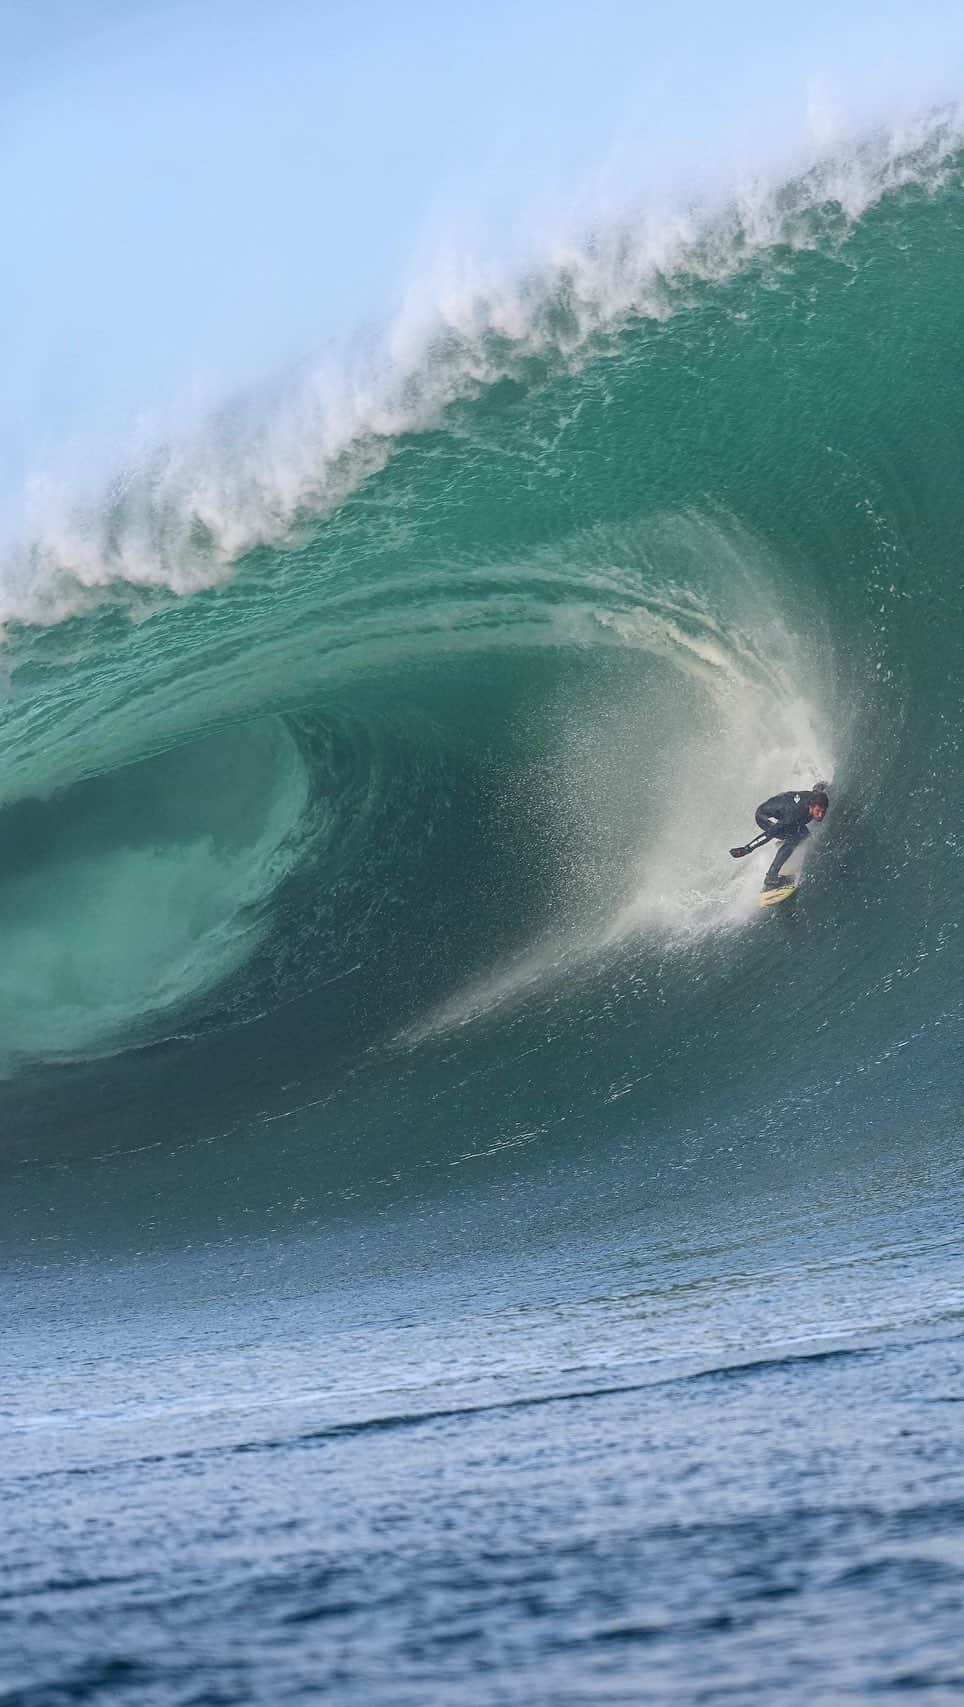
column 181, row 513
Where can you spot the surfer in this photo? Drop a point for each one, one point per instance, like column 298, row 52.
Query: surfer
column 786, row 816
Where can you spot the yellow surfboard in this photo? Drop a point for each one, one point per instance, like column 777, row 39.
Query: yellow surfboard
column 771, row 897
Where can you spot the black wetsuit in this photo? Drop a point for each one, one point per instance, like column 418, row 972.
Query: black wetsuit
column 786, row 816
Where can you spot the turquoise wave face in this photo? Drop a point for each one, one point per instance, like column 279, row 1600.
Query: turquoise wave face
column 126, row 894
column 408, row 837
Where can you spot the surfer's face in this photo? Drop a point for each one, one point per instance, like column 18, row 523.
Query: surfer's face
column 817, row 811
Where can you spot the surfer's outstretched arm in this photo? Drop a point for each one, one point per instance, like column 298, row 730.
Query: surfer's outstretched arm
column 757, row 842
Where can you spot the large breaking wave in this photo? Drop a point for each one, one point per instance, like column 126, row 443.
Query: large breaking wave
column 370, row 764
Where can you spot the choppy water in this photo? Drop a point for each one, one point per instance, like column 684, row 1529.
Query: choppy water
column 459, row 1250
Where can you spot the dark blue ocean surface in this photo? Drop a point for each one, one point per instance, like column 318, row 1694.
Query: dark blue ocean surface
column 727, row 1471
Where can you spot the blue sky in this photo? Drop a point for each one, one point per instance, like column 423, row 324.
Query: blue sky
column 196, row 195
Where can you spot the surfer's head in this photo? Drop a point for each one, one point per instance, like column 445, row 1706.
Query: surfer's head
column 818, row 804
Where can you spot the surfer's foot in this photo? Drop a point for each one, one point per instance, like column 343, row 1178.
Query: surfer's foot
column 778, row 883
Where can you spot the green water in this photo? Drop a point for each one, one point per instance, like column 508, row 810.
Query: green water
column 433, row 787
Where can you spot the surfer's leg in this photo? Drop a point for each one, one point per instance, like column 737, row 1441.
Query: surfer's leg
column 784, row 851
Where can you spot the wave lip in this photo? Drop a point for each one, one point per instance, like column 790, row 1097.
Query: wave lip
column 179, row 516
